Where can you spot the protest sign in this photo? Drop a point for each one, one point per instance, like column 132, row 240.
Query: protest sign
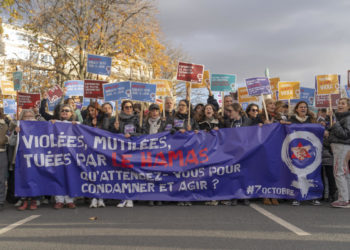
column 93, row 89
column 164, row 87
column 10, row 106
column 51, row 105
column 220, row 165
column 274, row 87
column 143, row 92
column 203, row 84
column 244, row 97
column 28, row 100
column 17, row 79
column 117, row 91
column 327, row 84
column 258, row 86
column 288, row 90
column 74, row 88
column 223, row 82
column 100, row 65
column 54, row 93
column 307, row 95
column 322, row 101
column 7, row 88
column 189, row 72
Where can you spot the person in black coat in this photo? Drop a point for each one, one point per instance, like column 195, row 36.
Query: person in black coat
column 180, row 122
column 209, row 119
column 252, row 112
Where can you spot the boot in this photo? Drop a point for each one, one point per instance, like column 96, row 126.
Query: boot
column 24, row 206
column 267, row 201
column 275, row 202
column 33, row 205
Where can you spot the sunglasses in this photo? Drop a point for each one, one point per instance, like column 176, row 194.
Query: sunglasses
column 128, row 107
column 66, row 110
column 254, row 110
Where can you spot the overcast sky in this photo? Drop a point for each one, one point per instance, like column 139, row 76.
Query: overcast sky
column 295, row 39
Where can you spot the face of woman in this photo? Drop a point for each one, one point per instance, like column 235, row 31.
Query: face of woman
column 270, row 106
column 199, row 109
column 253, row 112
column 208, row 112
column 343, row 106
column 128, row 108
column 182, row 108
column 92, row 112
column 66, row 113
column 154, row 113
column 301, row 110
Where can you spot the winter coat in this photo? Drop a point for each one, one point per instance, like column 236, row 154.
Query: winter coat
column 209, row 125
column 3, row 135
column 128, row 124
column 256, row 120
column 146, row 126
column 293, row 119
column 181, row 120
column 340, row 131
column 243, row 122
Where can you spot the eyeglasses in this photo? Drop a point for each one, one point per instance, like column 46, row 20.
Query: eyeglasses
column 128, row 107
column 66, row 110
column 254, row 110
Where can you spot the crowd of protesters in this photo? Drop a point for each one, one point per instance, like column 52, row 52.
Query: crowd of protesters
column 206, row 117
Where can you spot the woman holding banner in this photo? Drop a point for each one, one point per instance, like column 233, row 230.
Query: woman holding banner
column 208, row 119
column 236, row 118
column 339, row 137
column 66, row 114
column 252, row 112
column 184, row 122
column 127, row 123
column 303, row 115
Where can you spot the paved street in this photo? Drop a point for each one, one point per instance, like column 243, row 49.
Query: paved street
column 173, row 227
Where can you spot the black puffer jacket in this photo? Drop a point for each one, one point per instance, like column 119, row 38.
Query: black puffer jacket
column 340, row 131
column 243, row 122
column 128, row 124
column 181, row 120
column 209, row 125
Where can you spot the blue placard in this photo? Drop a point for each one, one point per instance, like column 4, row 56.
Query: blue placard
column 74, row 88
column 258, row 86
column 347, row 89
column 100, row 65
column 10, row 106
column 51, row 105
column 307, row 95
column 223, row 82
column 117, row 91
column 88, row 162
column 143, row 92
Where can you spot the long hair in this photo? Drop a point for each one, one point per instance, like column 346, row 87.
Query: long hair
column 250, row 106
column 199, row 117
column 238, row 108
column 308, row 113
column 263, row 112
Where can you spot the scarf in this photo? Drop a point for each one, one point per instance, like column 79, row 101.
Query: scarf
column 154, row 125
column 300, row 119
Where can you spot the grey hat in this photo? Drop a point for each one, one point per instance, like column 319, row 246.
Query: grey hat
column 153, row 106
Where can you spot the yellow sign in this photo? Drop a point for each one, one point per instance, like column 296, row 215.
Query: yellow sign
column 7, row 88
column 244, row 97
column 203, row 84
column 288, row 90
column 327, row 84
column 274, row 87
column 164, row 87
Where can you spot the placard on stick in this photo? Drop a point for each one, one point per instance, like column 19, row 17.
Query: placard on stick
column 93, row 89
column 189, row 72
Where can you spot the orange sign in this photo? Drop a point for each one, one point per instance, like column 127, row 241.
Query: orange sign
column 274, row 87
column 288, row 90
column 7, row 88
column 244, row 97
column 164, row 87
column 327, row 84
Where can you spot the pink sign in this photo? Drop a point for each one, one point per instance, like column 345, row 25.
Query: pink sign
column 322, row 101
column 54, row 93
column 93, row 89
column 189, row 72
column 27, row 100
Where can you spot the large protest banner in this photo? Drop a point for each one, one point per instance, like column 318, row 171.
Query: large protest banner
column 223, row 82
column 276, row 161
column 189, row 72
column 99, row 64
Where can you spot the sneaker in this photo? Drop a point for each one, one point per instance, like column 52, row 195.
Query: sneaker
column 129, row 203
column 58, row 205
column 246, row 202
column 226, row 203
column 159, row 203
column 93, row 203
column 181, row 203
column 234, row 202
column 212, row 203
column 24, row 206
column 296, row 203
column 45, row 201
column 122, row 203
column 275, row 202
column 33, row 205
column 341, row 204
column 19, row 203
column 100, row 203
column 188, row 203
column 316, row 202
column 71, row 205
